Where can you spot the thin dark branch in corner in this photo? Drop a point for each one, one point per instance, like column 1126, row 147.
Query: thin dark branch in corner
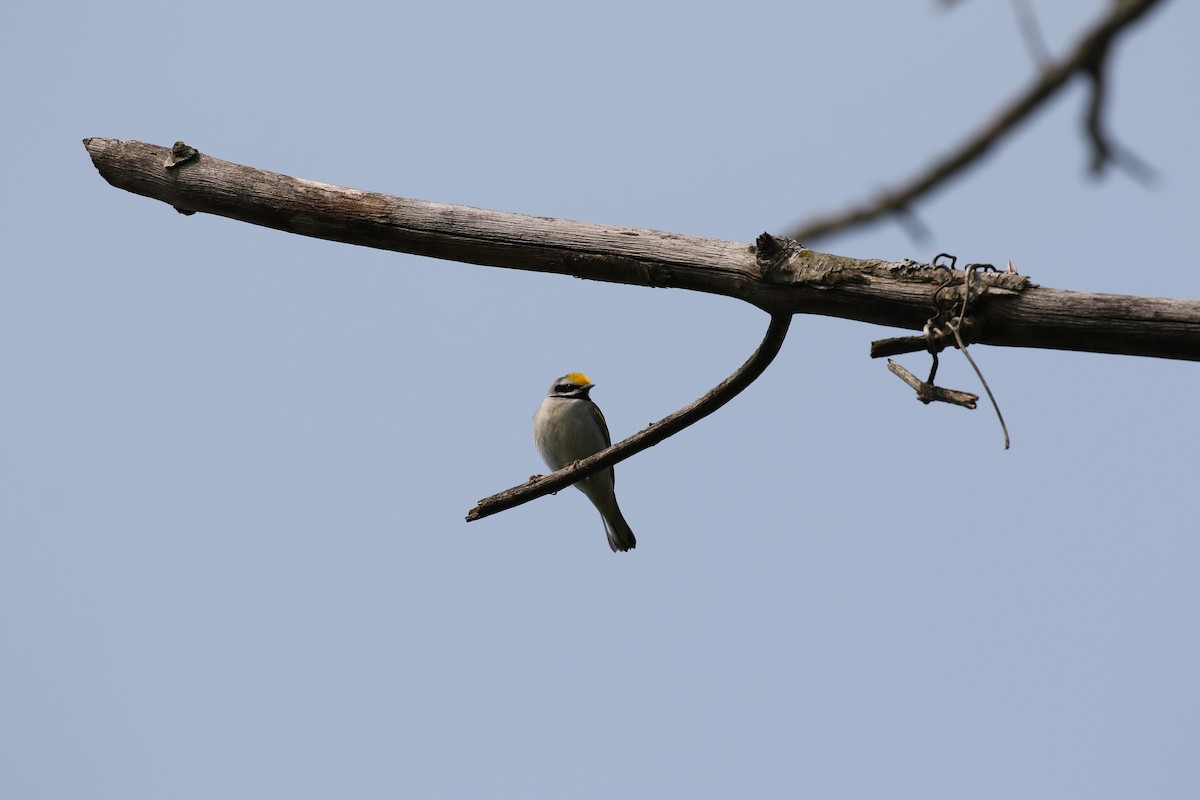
column 725, row 391
column 1085, row 58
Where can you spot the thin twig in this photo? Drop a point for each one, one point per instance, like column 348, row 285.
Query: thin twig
column 928, row 393
column 898, row 346
column 1031, row 32
column 963, row 347
column 1106, row 151
column 1052, row 78
column 725, row 391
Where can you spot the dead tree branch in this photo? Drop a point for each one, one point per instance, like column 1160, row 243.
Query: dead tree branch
column 1087, row 58
column 1010, row 312
column 725, row 391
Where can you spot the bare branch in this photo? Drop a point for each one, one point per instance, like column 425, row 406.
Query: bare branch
column 1092, row 46
column 928, row 393
column 896, row 294
column 725, row 391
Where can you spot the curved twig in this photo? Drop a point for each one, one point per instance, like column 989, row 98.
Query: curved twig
column 721, row 394
column 1083, row 59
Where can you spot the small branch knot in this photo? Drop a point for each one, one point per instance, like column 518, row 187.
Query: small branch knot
column 180, row 154
column 773, row 253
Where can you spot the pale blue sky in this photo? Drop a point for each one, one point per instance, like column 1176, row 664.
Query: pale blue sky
column 235, row 463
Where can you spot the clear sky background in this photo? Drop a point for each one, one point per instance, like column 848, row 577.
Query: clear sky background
column 234, row 463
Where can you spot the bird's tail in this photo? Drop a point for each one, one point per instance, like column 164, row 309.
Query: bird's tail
column 620, row 535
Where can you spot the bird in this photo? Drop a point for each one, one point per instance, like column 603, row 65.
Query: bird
column 568, row 427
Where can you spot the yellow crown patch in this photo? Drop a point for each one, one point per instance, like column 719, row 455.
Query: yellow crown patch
column 577, row 377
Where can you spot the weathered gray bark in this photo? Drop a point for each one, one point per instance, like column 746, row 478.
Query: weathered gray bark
column 899, row 294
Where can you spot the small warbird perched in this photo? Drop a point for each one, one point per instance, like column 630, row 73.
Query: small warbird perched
column 568, row 426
